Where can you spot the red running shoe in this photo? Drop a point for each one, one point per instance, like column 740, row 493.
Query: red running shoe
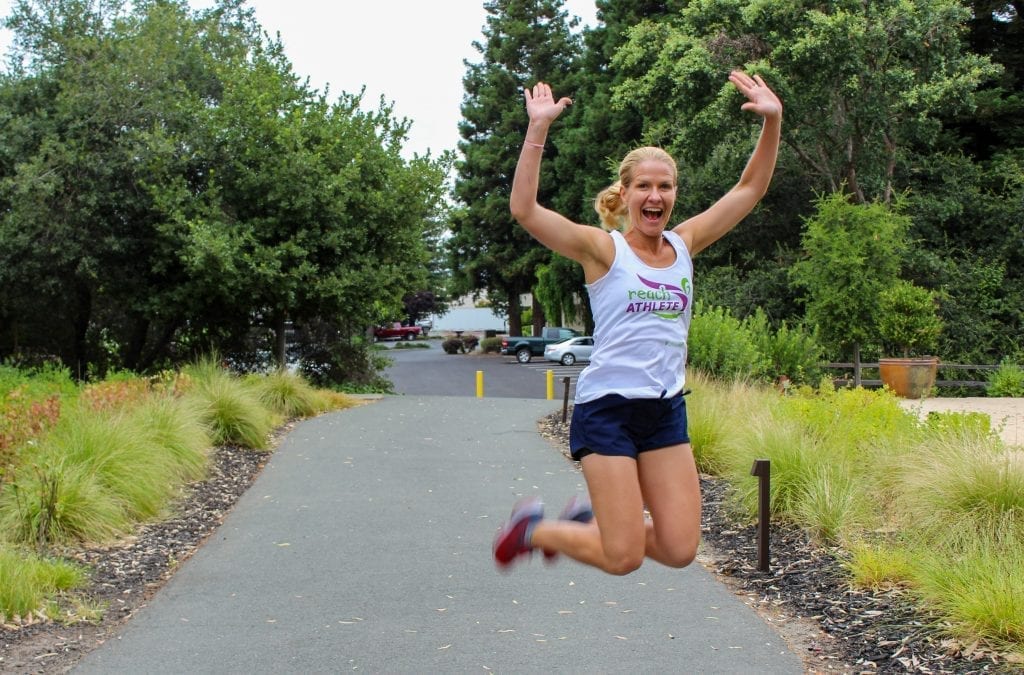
column 577, row 509
column 513, row 538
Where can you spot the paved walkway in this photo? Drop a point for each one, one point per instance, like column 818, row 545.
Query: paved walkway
column 365, row 546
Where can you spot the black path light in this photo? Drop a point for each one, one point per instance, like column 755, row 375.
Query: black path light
column 762, row 469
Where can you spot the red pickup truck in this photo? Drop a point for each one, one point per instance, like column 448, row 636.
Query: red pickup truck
column 396, row 332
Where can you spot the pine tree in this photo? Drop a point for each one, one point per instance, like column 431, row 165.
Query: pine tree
column 525, row 41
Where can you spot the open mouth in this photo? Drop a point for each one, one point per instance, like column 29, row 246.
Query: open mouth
column 652, row 214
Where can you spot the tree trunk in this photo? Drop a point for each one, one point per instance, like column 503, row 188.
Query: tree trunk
column 159, row 348
column 78, row 363
column 538, row 316
column 280, row 320
column 515, row 319
column 133, row 351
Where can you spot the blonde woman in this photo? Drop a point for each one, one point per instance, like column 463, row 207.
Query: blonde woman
column 629, row 426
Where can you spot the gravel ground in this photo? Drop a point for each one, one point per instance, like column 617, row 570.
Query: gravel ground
column 835, row 629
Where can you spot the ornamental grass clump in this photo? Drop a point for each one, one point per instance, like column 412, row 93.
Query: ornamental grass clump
column 174, row 427
column 231, row 411
column 287, row 394
column 127, row 462
column 976, row 581
column 59, row 502
column 878, row 565
column 961, row 482
column 27, row 582
column 716, row 411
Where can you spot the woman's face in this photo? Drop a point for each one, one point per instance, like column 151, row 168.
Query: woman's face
column 650, row 197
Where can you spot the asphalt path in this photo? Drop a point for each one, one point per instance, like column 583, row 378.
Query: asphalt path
column 364, row 545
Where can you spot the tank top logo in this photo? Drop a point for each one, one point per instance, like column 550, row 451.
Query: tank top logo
column 664, row 301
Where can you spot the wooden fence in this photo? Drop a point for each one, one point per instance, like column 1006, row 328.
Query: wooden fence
column 944, row 369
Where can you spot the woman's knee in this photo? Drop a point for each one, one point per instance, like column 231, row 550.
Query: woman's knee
column 679, row 554
column 623, row 563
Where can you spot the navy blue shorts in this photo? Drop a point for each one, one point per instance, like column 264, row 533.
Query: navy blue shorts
column 625, row 427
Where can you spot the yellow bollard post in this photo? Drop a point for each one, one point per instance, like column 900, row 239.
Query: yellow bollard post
column 551, row 384
column 479, row 384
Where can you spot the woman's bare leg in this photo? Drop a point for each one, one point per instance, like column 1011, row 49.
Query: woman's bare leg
column 671, row 490
column 616, row 540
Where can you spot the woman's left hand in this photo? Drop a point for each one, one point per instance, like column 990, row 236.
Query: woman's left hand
column 760, row 98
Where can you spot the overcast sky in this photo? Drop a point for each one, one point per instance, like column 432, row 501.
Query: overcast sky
column 409, row 51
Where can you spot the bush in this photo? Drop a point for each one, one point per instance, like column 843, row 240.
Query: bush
column 452, row 346
column 792, row 352
column 908, row 319
column 491, row 345
column 1007, row 380
column 720, row 345
column 470, row 342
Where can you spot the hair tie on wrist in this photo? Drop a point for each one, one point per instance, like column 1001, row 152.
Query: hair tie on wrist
column 533, row 145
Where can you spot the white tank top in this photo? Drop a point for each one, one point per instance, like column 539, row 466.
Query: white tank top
column 642, row 317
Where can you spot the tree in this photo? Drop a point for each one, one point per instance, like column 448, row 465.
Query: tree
column 525, row 41
column 862, row 81
column 169, row 184
column 852, row 252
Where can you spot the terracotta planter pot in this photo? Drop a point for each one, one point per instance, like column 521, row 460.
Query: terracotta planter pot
column 909, row 378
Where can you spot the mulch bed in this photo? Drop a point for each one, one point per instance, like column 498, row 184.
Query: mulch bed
column 805, row 594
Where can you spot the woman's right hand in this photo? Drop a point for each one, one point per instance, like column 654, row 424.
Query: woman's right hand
column 541, row 105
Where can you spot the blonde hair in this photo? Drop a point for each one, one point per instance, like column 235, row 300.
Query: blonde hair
column 608, row 203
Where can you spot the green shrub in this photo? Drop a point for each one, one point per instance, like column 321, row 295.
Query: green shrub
column 491, row 345
column 410, row 345
column 1007, row 380
column 720, row 345
column 792, row 352
column 908, row 319
column 470, row 341
column 452, row 346
column 960, row 423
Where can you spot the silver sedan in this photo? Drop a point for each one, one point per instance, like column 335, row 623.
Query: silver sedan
column 568, row 352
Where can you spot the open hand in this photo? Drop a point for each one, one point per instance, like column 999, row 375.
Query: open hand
column 760, row 98
column 541, row 105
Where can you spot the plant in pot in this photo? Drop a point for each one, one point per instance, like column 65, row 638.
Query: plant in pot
column 909, row 324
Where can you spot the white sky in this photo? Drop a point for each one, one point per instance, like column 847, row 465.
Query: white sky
column 409, row 51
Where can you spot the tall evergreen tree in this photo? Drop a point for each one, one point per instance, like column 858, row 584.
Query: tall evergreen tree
column 594, row 135
column 524, row 41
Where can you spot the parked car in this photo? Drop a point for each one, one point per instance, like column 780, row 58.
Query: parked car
column 524, row 348
column 396, row 330
column 568, row 352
